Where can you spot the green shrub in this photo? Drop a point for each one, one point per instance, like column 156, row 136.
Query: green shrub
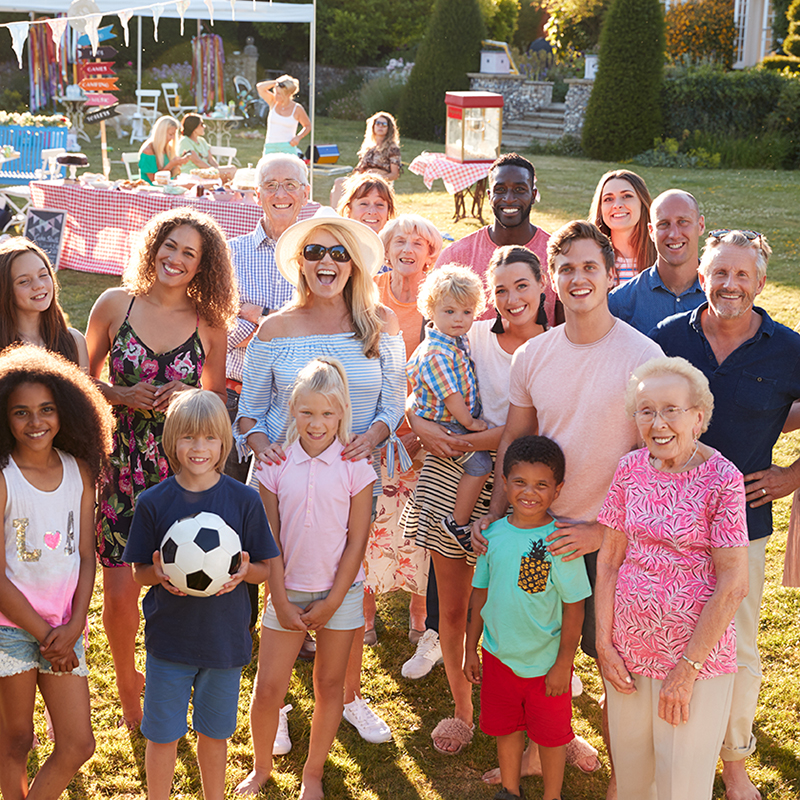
column 500, row 18
column 348, row 107
column 565, row 146
column 575, row 25
column 769, row 150
column 667, row 153
column 779, row 63
column 708, row 99
column 348, row 88
column 450, row 49
column 623, row 115
column 382, row 93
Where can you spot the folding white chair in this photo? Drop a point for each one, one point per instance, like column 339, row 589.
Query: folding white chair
column 224, row 152
column 127, row 160
column 174, row 107
column 147, row 111
column 50, row 169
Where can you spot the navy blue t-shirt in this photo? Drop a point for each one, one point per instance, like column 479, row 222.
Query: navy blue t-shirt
column 753, row 389
column 210, row 632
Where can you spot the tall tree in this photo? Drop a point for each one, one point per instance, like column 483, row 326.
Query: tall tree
column 623, row 116
column 450, row 49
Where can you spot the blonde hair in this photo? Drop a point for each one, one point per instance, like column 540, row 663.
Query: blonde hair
column 699, row 390
column 163, row 139
column 451, row 280
column 392, row 134
column 325, row 376
column 196, row 412
column 288, row 82
column 411, row 224
column 360, row 292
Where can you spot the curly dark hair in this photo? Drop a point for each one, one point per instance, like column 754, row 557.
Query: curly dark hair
column 86, row 421
column 213, row 289
column 52, row 322
column 513, row 160
column 535, row 450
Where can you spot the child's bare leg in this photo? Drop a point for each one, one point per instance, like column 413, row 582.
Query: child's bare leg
column 509, row 754
column 330, row 666
column 352, row 681
column 121, row 623
column 67, row 697
column 553, row 761
column 159, row 763
column 211, row 758
column 17, row 699
column 469, row 489
column 276, row 656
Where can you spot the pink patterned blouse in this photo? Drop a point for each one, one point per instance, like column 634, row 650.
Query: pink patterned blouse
column 671, row 521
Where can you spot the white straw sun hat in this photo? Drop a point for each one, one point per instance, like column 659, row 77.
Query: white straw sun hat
column 370, row 248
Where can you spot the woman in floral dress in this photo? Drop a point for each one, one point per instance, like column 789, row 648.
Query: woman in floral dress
column 163, row 330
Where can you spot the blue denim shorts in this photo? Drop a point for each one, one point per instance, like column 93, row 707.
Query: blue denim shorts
column 348, row 617
column 477, row 463
column 19, row 652
column 168, row 688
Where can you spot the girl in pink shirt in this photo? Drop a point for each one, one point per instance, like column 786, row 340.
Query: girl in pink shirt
column 55, row 434
column 319, row 507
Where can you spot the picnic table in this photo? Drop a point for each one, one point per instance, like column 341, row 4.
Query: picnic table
column 460, row 180
column 102, row 224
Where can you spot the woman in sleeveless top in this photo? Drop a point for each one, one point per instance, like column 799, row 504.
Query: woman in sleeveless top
column 284, row 115
column 163, row 330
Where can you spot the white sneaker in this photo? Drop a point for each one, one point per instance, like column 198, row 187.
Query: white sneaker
column 369, row 725
column 577, row 685
column 427, row 655
column 282, row 744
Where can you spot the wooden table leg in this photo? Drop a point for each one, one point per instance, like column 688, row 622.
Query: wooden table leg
column 460, row 204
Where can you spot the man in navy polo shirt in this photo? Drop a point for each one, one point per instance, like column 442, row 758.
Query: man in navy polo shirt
column 670, row 286
column 753, row 367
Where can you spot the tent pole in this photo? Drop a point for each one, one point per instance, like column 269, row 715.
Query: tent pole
column 312, row 100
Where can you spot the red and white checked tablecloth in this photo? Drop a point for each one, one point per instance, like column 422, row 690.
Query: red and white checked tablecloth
column 456, row 177
column 102, row 224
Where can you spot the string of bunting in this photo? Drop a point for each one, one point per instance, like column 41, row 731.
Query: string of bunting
column 19, row 30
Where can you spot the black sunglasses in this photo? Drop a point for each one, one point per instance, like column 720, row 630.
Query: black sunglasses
column 316, row 252
column 721, row 233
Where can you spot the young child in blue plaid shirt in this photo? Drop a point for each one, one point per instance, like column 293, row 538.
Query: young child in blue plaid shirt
column 443, row 381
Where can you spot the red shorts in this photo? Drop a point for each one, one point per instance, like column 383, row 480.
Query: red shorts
column 510, row 703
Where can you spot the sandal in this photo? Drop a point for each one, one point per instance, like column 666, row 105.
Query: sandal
column 456, row 730
column 504, row 794
column 579, row 750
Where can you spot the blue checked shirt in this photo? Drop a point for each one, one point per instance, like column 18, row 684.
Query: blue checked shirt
column 260, row 283
column 439, row 367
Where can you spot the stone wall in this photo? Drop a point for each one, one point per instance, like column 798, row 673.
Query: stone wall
column 520, row 96
column 327, row 77
column 242, row 63
column 577, row 99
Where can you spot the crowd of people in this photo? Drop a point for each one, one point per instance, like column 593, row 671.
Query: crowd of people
column 586, row 464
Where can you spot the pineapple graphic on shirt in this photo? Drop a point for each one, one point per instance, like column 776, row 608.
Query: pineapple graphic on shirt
column 534, row 569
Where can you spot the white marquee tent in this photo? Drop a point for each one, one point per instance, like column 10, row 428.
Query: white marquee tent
column 223, row 10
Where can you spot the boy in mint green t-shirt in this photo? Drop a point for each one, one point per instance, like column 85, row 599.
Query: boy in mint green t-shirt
column 529, row 607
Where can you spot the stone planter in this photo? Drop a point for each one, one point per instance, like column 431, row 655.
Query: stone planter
column 577, row 99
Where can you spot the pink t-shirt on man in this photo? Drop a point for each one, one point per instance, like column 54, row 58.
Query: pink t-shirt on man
column 314, row 506
column 671, row 521
column 476, row 250
column 578, row 391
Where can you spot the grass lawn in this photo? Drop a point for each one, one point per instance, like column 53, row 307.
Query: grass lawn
column 408, row 767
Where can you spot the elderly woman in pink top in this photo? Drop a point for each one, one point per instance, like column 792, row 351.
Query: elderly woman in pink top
column 671, row 573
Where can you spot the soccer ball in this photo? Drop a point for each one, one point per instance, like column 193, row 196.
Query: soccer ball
column 200, row 553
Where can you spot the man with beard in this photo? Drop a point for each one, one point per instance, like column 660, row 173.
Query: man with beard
column 753, row 368
column 512, row 193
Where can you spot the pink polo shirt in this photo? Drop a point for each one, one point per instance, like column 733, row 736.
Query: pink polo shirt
column 314, row 506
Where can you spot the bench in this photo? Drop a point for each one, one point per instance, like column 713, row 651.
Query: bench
column 29, row 141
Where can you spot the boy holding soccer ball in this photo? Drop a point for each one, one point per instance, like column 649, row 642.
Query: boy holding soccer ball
column 196, row 645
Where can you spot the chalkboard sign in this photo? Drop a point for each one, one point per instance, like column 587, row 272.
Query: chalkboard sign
column 46, row 227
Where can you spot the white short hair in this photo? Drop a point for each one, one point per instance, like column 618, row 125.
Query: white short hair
column 269, row 162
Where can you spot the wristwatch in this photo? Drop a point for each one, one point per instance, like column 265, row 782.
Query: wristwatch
column 698, row 665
